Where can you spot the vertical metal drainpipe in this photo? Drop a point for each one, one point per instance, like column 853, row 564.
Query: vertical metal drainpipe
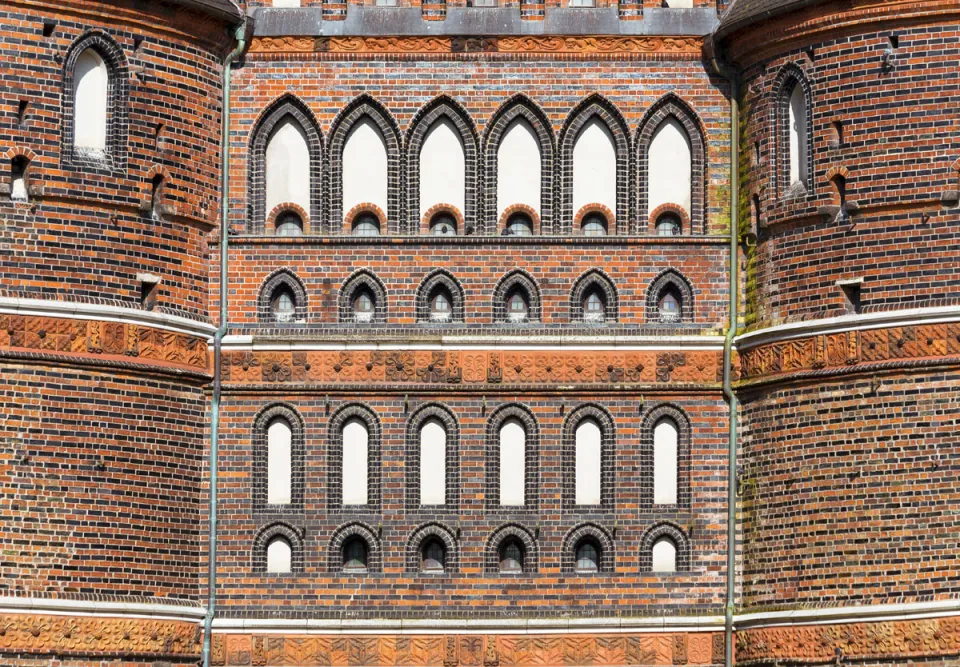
column 240, row 36
column 730, row 75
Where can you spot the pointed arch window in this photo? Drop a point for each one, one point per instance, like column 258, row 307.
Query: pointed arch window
column 595, row 166
column 665, row 456
column 91, row 91
column 670, row 160
column 518, row 167
column 365, row 168
column 442, row 167
column 594, row 307
column 287, row 166
column 797, row 141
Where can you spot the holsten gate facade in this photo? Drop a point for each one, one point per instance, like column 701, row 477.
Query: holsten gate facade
column 567, row 333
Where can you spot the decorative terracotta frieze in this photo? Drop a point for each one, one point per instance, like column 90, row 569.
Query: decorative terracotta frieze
column 95, row 636
column 899, row 641
column 470, row 367
column 102, row 340
column 699, row 648
column 850, row 349
column 518, row 44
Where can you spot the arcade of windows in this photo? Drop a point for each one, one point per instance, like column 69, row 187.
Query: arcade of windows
column 432, row 443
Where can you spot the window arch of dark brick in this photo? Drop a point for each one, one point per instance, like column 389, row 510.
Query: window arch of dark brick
column 114, row 160
column 271, row 531
column 362, row 107
column 279, row 280
column 783, row 86
column 335, row 458
column 424, row 414
column 354, row 530
column 503, row 534
column 598, row 535
column 448, row 108
column 595, row 279
column 675, row 414
column 288, row 106
column 531, row 456
column 672, row 106
column 422, row 535
column 261, row 423
column 437, row 280
column 675, row 533
column 608, row 446
column 595, row 106
column 517, row 107
column 514, row 280
column 670, row 279
column 360, row 280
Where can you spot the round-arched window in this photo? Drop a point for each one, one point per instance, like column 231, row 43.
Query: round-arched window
column 289, row 224
column 355, row 555
column 366, row 225
column 364, row 306
column 443, row 224
column 588, row 557
column 433, row 556
column 519, row 224
column 668, row 224
column 594, row 225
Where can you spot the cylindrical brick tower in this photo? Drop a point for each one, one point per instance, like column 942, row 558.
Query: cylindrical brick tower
column 110, row 131
column 849, row 383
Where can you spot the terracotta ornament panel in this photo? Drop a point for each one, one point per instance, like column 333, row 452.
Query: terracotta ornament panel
column 93, row 338
column 518, row 44
column 468, row 650
column 853, row 641
column 84, row 635
column 472, row 367
column 931, row 342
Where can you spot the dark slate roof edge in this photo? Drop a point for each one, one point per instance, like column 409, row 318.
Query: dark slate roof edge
column 222, row 9
column 742, row 13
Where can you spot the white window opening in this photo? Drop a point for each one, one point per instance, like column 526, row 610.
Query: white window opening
column 279, row 556
column 513, row 462
column 594, row 167
column 669, row 307
column 91, row 83
column 594, row 309
column 442, row 168
column 279, row 462
column 664, row 555
column 669, row 167
column 798, row 136
column 284, row 306
column 588, row 444
column 364, row 167
column 665, row 439
column 287, row 166
column 355, row 462
column 518, row 167
column 18, row 179
column 433, row 463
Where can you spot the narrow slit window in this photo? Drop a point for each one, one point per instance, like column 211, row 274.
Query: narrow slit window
column 433, row 463
column 513, row 453
column 91, row 82
column 588, row 463
column 279, row 462
column 355, row 462
column 665, row 439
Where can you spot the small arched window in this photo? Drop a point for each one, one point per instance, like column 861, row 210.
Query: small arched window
column 511, row 557
column 355, row 555
column 664, row 555
column 91, row 84
column 513, row 462
column 594, row 224
column 279, row 556
column 284, row 305
column 433, row 556
column 364, row 306
column 366, row 225
column 279, row 462
column 587, row 556
column 797, row 130
column 594, row 307
column 18, row 178
column 441, row 306
column 518, row 305
column 669, row 224
column 519, row 224
column 443, row 224
column 588, row 457
column 665, row 439
column 433, row 463
column 669, row 306
column 289, row 224
column 354, row 478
